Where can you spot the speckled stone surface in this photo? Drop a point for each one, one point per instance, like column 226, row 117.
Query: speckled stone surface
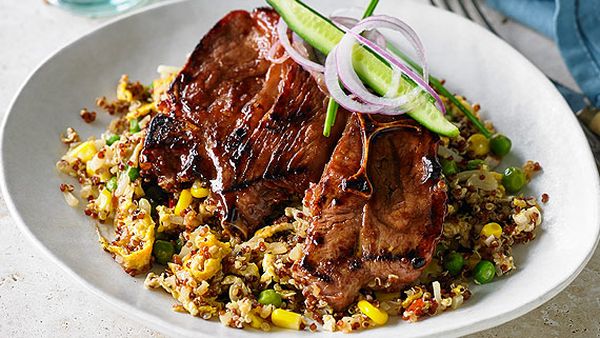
column 37, row 298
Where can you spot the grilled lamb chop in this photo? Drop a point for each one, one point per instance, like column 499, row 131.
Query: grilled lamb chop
column 377, row 211
column 250, row 127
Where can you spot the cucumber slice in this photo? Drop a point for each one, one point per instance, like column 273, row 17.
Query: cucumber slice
column 323, row 35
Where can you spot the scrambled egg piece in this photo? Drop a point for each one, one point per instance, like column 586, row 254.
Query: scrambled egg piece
column 160, row 86
column 133, row 246
column 187, row 282
column 203, row 260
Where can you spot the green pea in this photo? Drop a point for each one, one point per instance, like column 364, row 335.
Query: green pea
column 112, row 184
column 454, row 262
column 112, row 139
column 474, row 164
column 484, row 272
column 449, row 167
column 163, row 251
column 500, row 145
column 514, row 179
column 133, row 173
column 269, row 296
column 134, row 126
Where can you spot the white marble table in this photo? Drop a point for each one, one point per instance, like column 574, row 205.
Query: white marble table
column 37, row 298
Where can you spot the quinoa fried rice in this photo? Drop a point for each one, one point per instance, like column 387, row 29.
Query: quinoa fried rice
column 216, row 277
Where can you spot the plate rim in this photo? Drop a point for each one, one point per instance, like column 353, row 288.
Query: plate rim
column 164, row 326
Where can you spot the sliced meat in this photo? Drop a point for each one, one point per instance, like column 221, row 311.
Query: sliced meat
column 251, row 128
column 377, row 211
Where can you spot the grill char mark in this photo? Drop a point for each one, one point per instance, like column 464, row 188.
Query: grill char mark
column 250, row 127
column 376, row 213
column 253, row 130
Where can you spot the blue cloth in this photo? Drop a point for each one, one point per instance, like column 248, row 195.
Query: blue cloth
column 574, row 25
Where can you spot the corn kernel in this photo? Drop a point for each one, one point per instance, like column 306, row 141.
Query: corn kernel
column 105, row 200
column 198, row 190
column 491, row 229
column 378, row 316
column 255, row 321
column 145, row 109
column 479, row 144
column 184, row 201
column 105, row 175
column 90, row 171
column 85, row 151
column 141, row 111
column 286, row 319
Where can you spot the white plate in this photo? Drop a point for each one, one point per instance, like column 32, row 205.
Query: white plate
column 513, row 93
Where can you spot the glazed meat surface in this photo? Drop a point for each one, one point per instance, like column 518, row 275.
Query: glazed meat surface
column 250, row 127
column 377, row 211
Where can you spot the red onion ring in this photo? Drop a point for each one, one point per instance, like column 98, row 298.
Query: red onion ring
column 307, row 64
column 349, row 77
column 273, row 51
column 345, row 21
column 375, row 36
column 338, row 65
column 354, row 85
column 349, row 22
column 396, row 61
column 304, row 49
column 336, row 91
